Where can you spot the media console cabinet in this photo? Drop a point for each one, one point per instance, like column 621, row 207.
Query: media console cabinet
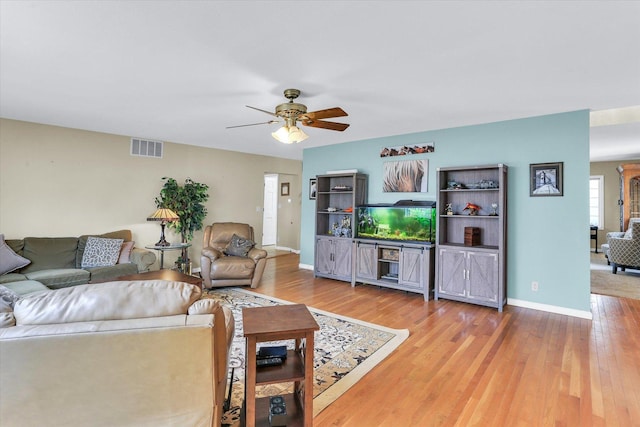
column 399, row 265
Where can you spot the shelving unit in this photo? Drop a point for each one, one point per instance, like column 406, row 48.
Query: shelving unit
column 336, row 200
column 475, row 274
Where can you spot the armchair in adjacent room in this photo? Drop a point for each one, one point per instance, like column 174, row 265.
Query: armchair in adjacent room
column 229, row 257
column 624, row 250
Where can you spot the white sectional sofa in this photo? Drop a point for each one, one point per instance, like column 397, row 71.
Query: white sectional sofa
column 140, row 353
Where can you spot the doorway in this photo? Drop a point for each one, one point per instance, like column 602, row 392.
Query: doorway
column 270, row 211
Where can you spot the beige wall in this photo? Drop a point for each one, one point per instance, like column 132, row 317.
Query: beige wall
column 611, row 195
column 66, row 182
column 289, row 208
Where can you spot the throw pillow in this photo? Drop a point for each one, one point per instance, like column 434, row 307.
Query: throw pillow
column 9, row 260
column 101, row 252
column 238, row 246
column 125, row 253
column 8, row 296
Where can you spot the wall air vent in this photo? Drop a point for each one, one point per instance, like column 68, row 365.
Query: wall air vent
column 146, row 148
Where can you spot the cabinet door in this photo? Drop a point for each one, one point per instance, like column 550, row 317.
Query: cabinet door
column 483, row 276
column 411, row 261
column 342, row 249
column 452, row 272
column 366, row 261
column 324, row 256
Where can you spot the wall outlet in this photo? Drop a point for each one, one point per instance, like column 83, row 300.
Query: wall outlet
column 534, row 286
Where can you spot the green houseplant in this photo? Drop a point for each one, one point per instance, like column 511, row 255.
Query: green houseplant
column 187, row 201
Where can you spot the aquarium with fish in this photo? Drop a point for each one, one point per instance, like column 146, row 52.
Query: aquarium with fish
column 407, row 220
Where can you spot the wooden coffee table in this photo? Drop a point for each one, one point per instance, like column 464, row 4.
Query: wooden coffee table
column 172, row 275
column 280, row 322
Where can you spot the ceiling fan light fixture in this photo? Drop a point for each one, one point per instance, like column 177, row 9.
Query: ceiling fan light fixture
column 293, row 113
column 289, row 135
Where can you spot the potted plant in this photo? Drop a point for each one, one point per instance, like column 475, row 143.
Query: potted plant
column 187, row 201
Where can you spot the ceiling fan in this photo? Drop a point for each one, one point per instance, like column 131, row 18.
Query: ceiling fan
column 291, row 113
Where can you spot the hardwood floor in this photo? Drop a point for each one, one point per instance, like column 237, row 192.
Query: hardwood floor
column 467, row 365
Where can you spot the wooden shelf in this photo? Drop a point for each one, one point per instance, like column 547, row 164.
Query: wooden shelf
column 336, row 192
column 470, row 216
column 295, row 413
column 461, row 245
column 463, row 190
column 335, row 212
column 292, row 369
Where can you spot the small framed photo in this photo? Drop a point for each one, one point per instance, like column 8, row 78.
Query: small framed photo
column 284, row 189
column 313, row 188
column 545, row 179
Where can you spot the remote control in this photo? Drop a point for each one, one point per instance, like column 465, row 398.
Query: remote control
column 271, row 361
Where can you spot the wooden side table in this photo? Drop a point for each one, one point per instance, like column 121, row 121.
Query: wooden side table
column 594, row 236
column 281, row 322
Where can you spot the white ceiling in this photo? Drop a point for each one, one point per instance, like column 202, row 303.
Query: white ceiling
column 183, row 71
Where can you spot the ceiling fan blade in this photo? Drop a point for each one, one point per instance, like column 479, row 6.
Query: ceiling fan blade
column 325, row 125
column 325, row 114
column 270, row 122
column 264, row 111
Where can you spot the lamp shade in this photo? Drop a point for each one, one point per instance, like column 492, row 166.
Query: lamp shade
column 163, row 214
column 289, row 134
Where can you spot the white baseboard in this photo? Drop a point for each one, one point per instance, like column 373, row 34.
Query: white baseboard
column 305, row 266
column 551, row 308
column 284, row 248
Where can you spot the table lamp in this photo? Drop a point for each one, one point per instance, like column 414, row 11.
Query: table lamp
column 163, row 215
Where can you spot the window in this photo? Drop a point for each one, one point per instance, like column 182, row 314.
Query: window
column 596, row 201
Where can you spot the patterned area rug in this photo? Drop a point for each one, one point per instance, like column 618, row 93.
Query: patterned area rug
column 624, row 284
column 345, row 350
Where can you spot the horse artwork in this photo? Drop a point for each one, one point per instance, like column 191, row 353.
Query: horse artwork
column 403, row 150
column 409, row 176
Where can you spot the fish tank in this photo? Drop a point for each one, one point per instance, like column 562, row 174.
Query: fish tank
column 406, row 220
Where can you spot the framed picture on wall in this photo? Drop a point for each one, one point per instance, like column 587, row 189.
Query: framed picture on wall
column 407, row 176
column 313, row 189
column 404, row 150
column 545, row 179
column 284, row 189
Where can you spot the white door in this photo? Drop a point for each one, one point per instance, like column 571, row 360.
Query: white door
column 270, row 211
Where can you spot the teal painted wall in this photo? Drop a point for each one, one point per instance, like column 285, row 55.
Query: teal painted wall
column 548, row 240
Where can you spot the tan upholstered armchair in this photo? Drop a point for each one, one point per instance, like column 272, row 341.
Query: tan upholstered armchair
column 219, row 269
column 624, row 248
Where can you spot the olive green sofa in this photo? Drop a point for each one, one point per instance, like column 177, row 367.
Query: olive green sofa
column 56, row 263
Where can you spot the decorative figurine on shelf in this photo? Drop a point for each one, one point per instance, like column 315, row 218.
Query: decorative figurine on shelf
column 494, row 209
column 343, row 229
column 488, row 184
column 473, row 209
column 334, row 229
column 346, row 221
column 448, row 209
